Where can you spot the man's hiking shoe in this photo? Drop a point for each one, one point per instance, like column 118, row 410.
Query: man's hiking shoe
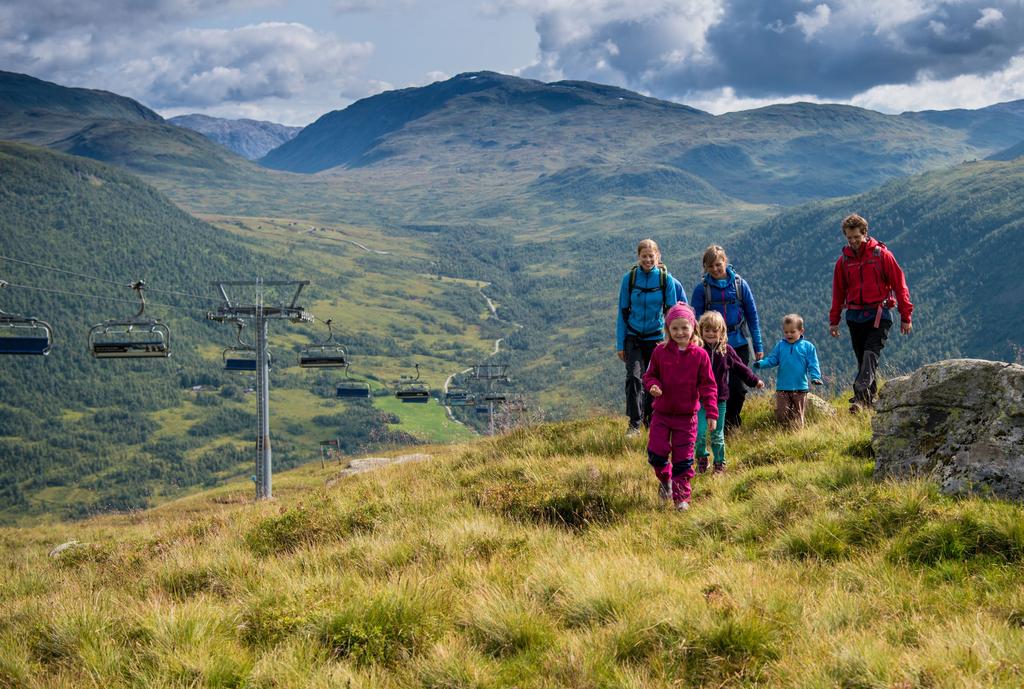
column 856, row 407
column 632, row 431
column 702, row 465
column 665, row 490
column 719, row 469
column 682, row 505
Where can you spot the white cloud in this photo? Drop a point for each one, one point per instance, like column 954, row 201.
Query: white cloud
column 966, row 91
column 204, row 67
column 811, row 24
column 990, row 16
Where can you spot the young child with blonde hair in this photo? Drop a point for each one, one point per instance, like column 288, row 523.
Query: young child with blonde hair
column 725, row 363
column 680, row 379
column 797, row 360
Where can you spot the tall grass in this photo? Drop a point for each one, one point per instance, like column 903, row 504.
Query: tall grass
column 538, row 559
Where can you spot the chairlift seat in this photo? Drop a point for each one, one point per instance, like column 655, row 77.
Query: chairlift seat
column 242, row 365
column 495, row 397
column 418, row 394
column 130, row 349
column 482, row 409
column 25, row 344
column 353, row 391
column 323, row 357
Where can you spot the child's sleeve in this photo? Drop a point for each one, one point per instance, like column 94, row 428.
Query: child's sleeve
column 707, row 387
column 813, row 368
column 652, row 376
column 736, row 364
column 770, row 361
column 620, row 322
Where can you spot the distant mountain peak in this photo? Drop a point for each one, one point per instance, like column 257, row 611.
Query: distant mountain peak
column 250, row 139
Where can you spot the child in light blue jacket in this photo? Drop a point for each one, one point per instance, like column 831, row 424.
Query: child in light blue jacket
column 797, row 360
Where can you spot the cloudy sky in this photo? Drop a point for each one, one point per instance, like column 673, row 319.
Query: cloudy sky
column 291, row 62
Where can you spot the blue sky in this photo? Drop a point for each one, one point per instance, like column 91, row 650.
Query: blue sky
column 291, row 62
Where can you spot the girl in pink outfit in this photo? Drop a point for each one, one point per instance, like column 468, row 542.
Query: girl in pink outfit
column 680, row 380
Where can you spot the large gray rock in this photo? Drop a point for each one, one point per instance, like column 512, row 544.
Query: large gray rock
column 959, row 421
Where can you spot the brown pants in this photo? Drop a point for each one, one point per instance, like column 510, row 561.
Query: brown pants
column 790, row 406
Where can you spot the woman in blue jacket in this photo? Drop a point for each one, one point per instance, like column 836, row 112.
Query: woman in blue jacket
column 647, row 291
column 723, row 290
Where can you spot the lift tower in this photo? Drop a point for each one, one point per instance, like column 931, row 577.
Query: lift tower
column 260, row 314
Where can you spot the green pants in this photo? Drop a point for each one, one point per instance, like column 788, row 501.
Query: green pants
column 717, row 435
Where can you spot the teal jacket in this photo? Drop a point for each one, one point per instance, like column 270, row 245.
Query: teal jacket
column 646, row 306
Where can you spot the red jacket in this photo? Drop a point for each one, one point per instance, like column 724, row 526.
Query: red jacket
column 865, row 279
column 685, row 378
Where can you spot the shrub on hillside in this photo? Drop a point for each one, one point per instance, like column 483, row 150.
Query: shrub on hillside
column 380, row 631
column 302, row 525
column 584, row 497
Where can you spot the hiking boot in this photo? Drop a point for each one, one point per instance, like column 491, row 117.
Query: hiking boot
column 856, row 407
column 632, row 431
column 702, row 465
column 665, row 491
column 719, row 469
column 683, row 505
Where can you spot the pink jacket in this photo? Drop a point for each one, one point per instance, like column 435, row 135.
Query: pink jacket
column 685, row 378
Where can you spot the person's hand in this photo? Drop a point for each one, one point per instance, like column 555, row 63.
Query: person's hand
column 758, row 356
column 655, row 391
column 760, row 385
column 906, row 327
column 833, row 330
column 712, row 423
column 621, row 354
column 816, row 382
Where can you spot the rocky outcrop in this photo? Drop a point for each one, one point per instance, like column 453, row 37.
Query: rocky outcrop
column 959, row 421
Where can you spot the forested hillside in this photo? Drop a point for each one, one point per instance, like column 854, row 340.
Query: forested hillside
column 77, row 434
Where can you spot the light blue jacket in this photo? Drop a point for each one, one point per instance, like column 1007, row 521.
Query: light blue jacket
column 646, row 308
column 797, row 362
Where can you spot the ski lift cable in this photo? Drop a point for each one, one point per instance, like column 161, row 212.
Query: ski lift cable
column 97, row 296
column 99, row 279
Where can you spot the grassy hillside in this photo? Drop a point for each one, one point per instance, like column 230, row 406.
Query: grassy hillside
column 538, row 559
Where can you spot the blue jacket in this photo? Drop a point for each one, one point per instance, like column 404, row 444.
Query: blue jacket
column 797, row 362
column 723, row 300
column 646, row 309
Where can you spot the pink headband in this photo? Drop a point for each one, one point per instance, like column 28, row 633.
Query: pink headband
column 681, row 310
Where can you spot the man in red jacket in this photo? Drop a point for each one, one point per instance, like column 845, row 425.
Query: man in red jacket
column 867, row 282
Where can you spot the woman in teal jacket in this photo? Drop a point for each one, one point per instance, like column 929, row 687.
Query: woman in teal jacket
column 646, row 292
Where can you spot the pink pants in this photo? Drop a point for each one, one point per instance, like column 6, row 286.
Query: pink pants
column 675, row 435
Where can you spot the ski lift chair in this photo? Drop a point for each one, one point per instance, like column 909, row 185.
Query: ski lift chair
column 131, row 338
column 482, row 409
column 412, row 391
column 352, row 389
column 457, row 397
column 495, row 397
column 327, row 354
column 24, row 334
column 242, row 357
